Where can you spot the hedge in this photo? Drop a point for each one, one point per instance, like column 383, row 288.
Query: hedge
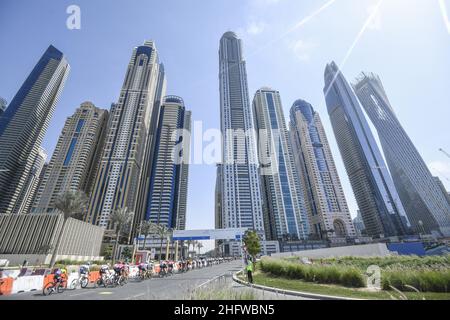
column 349, row 277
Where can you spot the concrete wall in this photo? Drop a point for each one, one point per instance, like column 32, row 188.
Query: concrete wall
column 35, row 236
column 366, row 250
column 40, row 259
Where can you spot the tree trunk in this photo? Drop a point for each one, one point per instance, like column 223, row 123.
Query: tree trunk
column 55, row 252
column 145, row 240
column 160, row 249
column 115, row 248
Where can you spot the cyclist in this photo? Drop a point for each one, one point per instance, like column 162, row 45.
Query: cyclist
column 84, row 269
column 170, row 267
column 57, row 275
column 142, row 269
column 162, row 267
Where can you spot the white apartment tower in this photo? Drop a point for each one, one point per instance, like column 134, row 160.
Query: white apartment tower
column 241, row 193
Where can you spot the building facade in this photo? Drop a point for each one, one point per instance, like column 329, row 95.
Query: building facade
column 31, row 185
column 3, row 105
column 144, row 183
column 327, row 208
column 359, row 224
column 286, row 216
column 24, row 123
column 75, row 161
column 421, row 196
column 166, row 202
column 33, row 237
column 375, row 193
column 443, row 189
column 120, row 168
column 241, row 192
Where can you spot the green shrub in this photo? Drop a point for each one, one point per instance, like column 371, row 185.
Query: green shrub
column 352, row 277
column 422, row 280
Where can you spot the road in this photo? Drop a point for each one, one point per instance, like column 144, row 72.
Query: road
column 178, row 286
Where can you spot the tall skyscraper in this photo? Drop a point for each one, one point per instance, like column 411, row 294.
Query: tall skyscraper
column 166, row 202
column 75, row 161
column 421, row 196
column 121, row 164
column 286, row 216
column 241, row 193
column 24, row 123
column 31, row 185
column 375, row 193
column 328, row 212
column 443, row 189
column 144, row 183
column 358, row 222
column 3, row 105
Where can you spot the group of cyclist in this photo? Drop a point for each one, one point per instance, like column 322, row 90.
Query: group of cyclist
column 120, row 272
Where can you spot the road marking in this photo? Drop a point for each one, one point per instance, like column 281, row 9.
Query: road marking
column 210, row 280
column 136, row 296
column 105, row 292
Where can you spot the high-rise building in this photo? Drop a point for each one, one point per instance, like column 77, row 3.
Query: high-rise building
column 218, row 220
column 166, row 202
column 24, row 123
column 75, row 161
column 184, row 174
column 3, row 105
column 422, row 198
column 144, row 183
column 119, row 173
column 359, row 224
column 443, row 189
column 375, row 193
column 29, row 190
column 285, row 216
column 328, row 212
column 241, row 193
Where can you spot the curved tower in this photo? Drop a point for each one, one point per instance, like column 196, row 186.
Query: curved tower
column 425, row 203
column 24, row 123
column 375, row 193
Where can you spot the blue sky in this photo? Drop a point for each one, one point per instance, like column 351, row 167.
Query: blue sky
column 407, row 44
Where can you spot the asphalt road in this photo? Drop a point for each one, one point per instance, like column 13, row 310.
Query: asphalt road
column 178, row 286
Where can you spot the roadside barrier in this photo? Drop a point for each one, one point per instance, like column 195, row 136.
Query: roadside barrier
column 93, row 276
column 6, row 286
column 27, row 283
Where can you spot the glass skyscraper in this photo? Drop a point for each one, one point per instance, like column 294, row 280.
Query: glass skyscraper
column 3, row 105
column 119, row 174
column 24, row 123
column 285, row 216
column 241, row 193
column 166, row 201
column 421, row 196
column 328, row 212
column 377, row 198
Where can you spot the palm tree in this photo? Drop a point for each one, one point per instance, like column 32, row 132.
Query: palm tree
column 188, row 242
column 147, row 228
column 161, row 230
column 71, row 204
column 168, row 236
column 199, row 246
column 119, row 219
column 193, row 243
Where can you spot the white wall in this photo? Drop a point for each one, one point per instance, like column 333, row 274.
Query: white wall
column 366, row 250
